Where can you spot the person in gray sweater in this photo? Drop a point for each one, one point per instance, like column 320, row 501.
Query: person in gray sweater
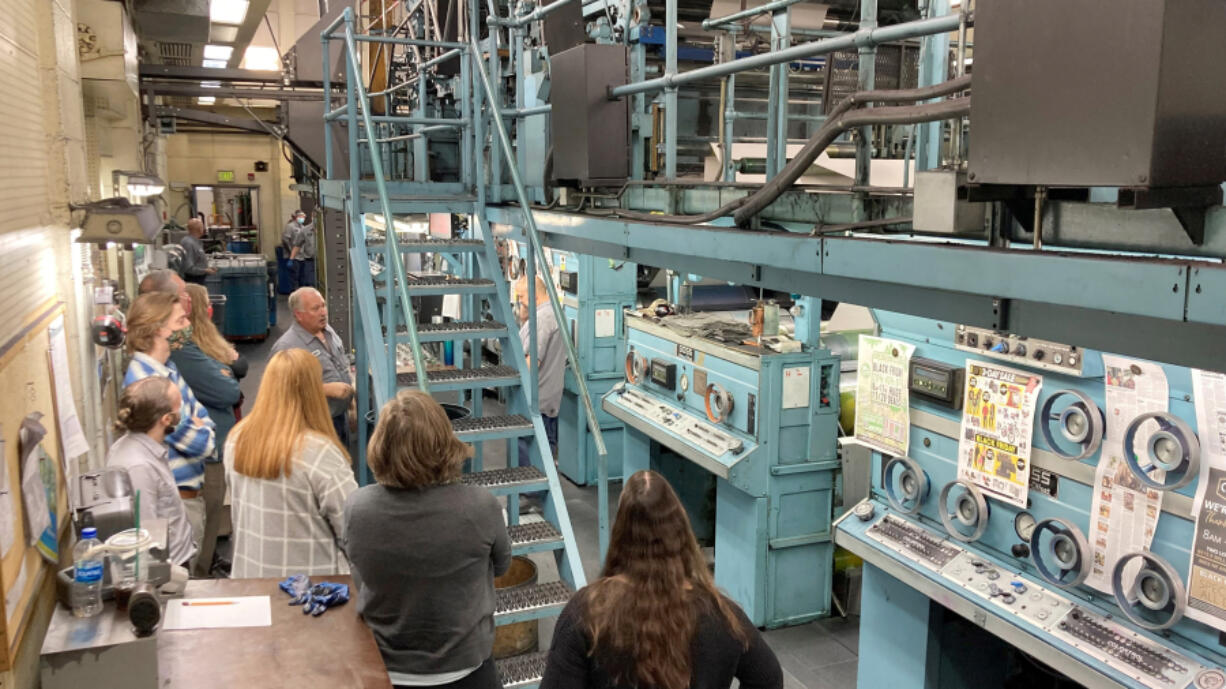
column 424, row 550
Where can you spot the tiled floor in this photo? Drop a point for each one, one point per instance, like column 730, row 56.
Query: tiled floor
column 818, row 655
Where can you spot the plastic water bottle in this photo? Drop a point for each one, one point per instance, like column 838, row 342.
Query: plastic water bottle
column 87, row 576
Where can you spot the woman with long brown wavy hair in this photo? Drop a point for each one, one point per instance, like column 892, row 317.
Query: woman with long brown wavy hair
column 289, row 476
column 654, row 619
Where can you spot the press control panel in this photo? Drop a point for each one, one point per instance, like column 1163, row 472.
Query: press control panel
column 696, row 432
column 1013, row 595
column 1026, row 351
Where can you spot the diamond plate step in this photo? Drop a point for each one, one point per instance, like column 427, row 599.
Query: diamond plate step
column 435, row 285
column 507, row 481
column 437, row 332
column 533, row 602
column 464, row 378
column 425, row 245
column 522, row 671
column 534, row 537
column 476, row 428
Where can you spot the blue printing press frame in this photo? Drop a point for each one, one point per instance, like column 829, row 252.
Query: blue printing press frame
column 920, row 563
column 774, row 456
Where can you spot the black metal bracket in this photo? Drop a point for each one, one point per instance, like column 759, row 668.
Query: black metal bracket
column 1189, row 204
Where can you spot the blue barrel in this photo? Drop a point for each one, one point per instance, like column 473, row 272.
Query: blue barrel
column 246, row 292
column 285, row 283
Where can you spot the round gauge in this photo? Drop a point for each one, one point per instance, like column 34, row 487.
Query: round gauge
column 1023, row 524
column 684, row 382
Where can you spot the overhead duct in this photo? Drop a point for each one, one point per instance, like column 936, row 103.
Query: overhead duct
column 172, row 21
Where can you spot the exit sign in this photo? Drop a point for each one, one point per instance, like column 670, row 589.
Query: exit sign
column 225, row 175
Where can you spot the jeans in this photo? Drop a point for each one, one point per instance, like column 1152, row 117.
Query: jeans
column 341, row 424
column 303, row 274
column 527, row 444
column 212, row 495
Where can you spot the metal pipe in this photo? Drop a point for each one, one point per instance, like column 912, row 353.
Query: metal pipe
column 327, row 33
column 538, row 13
column 441, row 58
column 528, row 112
column 535, row 240
column 325, row 52
column 415, row 42
column 393, row 249
column 391, row 89
column 334, row 114
column 748, row 115
column 955, row 133
column 751, row 12
column 407, row 119
column 408, row 137
column 670, row 93
column 877, row 36
column 867, row 76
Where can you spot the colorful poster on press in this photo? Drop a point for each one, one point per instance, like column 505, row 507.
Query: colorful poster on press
column 1123, row 511
column 883, row 416
column 997, row 423
column 1207, row 572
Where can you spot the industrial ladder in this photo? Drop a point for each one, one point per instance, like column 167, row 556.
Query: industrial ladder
column 383, row 332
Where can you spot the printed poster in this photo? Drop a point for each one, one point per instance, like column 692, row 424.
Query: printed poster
column 1124, row 512
column 997, row 423
column 883, row 416
column 1207, row 571
column 73, row 436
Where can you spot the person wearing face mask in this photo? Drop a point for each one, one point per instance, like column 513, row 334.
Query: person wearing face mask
column 148, row 411
column 303, row 252
column 204, row 360
column 152, row 319
column 289, row 237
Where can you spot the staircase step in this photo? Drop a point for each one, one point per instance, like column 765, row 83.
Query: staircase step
column 533, row 602
column 435, row 285
column 464, row 378
column 478, row 428
column 523, row 671
column 509, row 480
column 437, row 332
column 534, row 537
column 428, row 245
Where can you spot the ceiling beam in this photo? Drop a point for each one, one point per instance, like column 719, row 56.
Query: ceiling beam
column 195, row 89
column 255, row 16
column 193, row 73
column 243, row 123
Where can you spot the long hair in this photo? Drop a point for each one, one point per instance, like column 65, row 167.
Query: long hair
column 643, row 612
column 289, row 404
column 204, row 332
column 413, row 445
column 146, row 318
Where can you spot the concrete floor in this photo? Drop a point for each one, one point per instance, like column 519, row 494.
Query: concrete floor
column 818, row 655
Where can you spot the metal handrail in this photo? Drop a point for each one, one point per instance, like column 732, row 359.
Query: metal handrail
column 393, row 248
column 864, row 37
column 538, row 13
column 572, row 355
column 746, row 14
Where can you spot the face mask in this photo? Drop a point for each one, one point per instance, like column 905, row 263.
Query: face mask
column 301, row 221
column 172, row 424
column 180, row 337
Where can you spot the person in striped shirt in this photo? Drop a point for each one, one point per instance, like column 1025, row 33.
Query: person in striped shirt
column 151, row 321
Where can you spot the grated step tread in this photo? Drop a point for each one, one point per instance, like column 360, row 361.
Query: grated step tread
column 477, row 424
column 523, row 670
column 462, row 375
column 420, row 245
column 447, row 281
column 533, row 534
column 528, row 598
column 502, row 478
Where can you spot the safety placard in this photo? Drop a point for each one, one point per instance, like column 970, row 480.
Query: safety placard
column 997, row 422
column 883, row 415
column 1207, row 572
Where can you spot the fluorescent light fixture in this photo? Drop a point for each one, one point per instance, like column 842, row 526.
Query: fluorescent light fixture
column 206, row 100
column 214, row 64
column 262, row 58
column 145, row 185
column 228, row 11
column 218, row 52
column 210, row 84
column 221, row 33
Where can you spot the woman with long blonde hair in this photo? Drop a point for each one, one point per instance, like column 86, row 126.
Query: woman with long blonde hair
column 654, row 619
column 289, row 476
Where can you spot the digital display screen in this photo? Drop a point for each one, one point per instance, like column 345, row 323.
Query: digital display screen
column 663, row 373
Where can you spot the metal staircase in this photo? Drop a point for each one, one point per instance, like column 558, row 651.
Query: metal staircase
column 391, row 345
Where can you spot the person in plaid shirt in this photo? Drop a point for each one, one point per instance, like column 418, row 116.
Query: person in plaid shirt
column 151, row 321
column 289, row 476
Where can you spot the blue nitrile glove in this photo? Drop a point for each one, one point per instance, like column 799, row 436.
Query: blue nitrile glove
column 298, row 587
column 325, row 595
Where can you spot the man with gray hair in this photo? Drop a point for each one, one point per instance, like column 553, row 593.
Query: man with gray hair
column 195, row 262
column 311, row 332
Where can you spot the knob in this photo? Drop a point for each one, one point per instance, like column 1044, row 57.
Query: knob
column 1039, row 354
column 1020, row 350
column 1020, row 551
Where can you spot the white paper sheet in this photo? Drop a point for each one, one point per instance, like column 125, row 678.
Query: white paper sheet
column 8, row 518
column 34, row 498
column 883, row 419
column 1207, row 571
column 73, row 440
column 997, row 425
column 1123, row 513
column 218, row 613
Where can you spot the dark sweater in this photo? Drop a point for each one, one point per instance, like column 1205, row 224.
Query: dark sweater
column 715, row 655
column 423, row 564
column 214, row 385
